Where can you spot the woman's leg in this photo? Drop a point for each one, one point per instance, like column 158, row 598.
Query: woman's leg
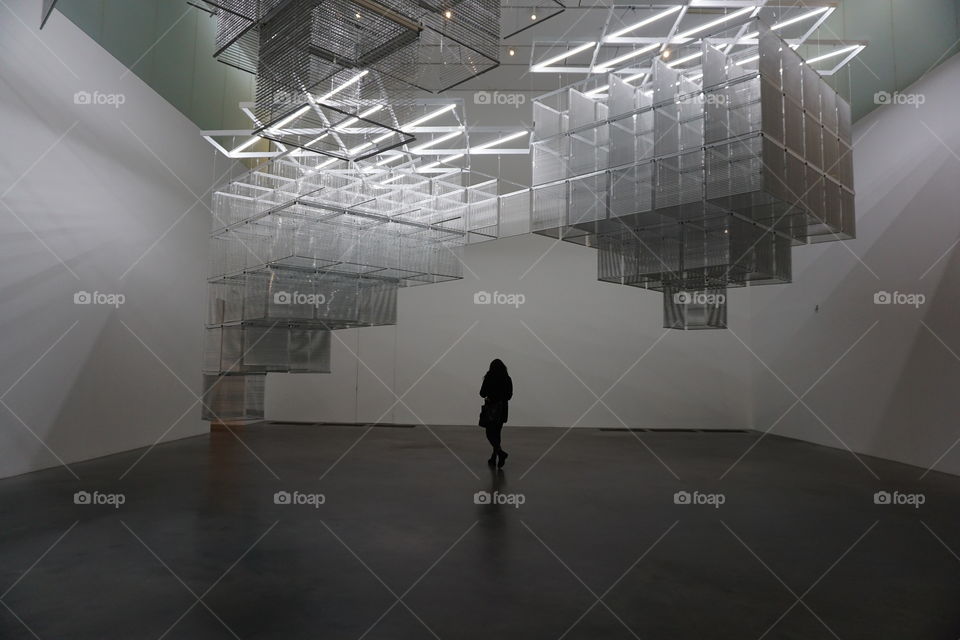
column 493, row 437
column 501, row 454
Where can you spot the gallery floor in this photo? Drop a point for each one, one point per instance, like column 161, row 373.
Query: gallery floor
column 588, row 541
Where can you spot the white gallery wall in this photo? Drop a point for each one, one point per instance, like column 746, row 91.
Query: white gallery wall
column 111, row 198
column 883, row 379
column 571, row 340
column 95, row 196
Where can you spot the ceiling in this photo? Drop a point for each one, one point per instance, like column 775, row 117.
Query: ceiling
column 169, row 44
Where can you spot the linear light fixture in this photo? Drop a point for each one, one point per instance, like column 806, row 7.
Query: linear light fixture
column 787, row 23
column 245, row 145
column 346, row 84
column 428, row 166
column 290, row 118
column 692, row 56
column 389, row 159
column 393, row 179
column 801, row 18
column 643, row 23
column 346, row 123
column 359, row 148
column 443, row 138
column 633, row 54
column 493, row 143
column 838, row 52
column 429, row 116
column 563, row 56
column 686, row 35
column 317, row 139
column 714, row 23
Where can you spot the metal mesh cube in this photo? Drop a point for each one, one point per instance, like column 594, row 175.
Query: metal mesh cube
column 697, row 183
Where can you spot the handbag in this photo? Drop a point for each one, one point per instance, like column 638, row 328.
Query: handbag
column 491, row 413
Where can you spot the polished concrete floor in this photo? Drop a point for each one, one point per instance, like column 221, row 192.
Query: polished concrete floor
column 587, row 543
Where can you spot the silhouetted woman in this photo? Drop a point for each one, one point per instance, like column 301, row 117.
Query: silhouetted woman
column 497, row 389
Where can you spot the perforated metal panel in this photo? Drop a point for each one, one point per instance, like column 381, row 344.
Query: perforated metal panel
column 690, row 186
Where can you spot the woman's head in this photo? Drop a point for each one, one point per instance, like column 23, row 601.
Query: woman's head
column 497, row 367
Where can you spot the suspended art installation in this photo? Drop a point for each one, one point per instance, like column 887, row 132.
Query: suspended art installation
column 321, row 236
column 700, row 180
column 688, row 183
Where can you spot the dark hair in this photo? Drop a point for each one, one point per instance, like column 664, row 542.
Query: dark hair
column 497, row 368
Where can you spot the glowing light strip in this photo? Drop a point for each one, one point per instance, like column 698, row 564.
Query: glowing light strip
column 317, row 139
column 346, row 84
column 787, row 23
column 290, row 118
column 838, row 52
column 633, row 54
column 714, row 23
column 321, row 166
column 359, row 148
column 681, row 37
column 546, row 63
column 429, row 116
column 346, row 123
column 390, row 159
column 643, row 23
column 245, row 145
column 443, row 138
column 692, row 56
column 487, row 145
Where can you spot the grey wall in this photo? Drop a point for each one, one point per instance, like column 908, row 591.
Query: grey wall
column 598, row 330
column 894, row 394
column 87, row 206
